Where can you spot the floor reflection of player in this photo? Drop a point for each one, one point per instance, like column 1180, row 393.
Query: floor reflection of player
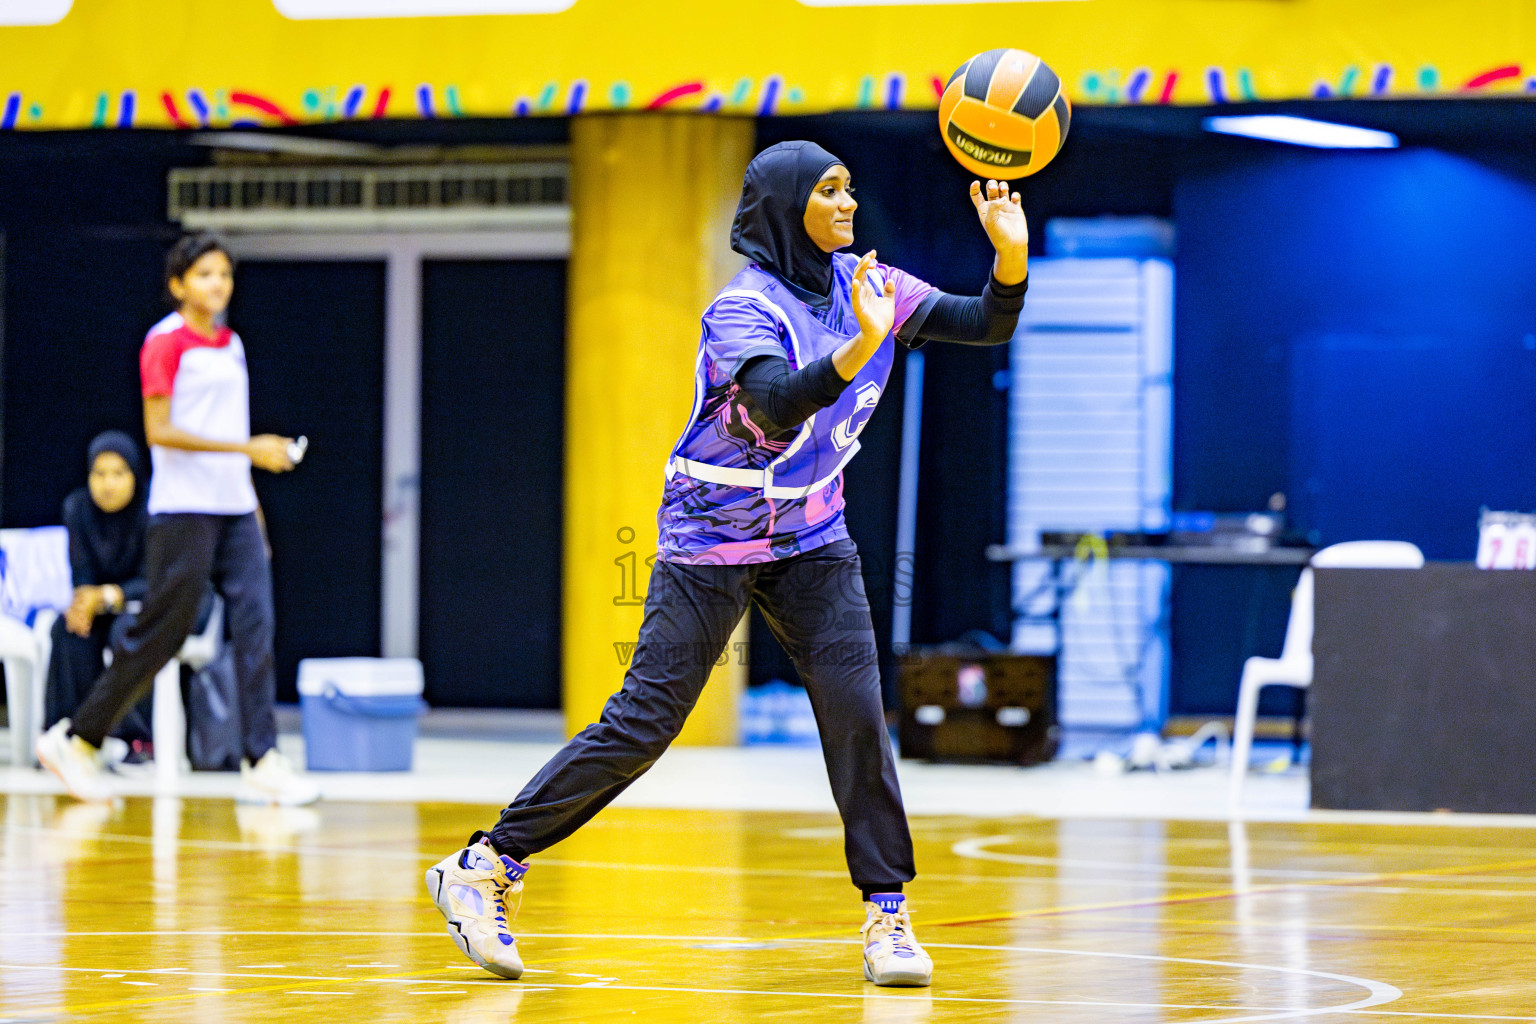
column 794, row 356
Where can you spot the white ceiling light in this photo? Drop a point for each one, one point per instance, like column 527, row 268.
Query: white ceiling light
column 294, row 145
column 1302, row 131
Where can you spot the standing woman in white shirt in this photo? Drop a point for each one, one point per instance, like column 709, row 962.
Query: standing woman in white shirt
column 204, row 525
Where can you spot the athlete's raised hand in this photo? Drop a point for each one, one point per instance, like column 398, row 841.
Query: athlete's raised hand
column 875, row 308
column 1002, row 217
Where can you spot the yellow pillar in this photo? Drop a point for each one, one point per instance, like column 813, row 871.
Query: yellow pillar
column 652, row 197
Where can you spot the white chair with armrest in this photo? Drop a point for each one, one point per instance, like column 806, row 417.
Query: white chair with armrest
column 25, row 651
column 25, row 667
column 34, row 581
column 168, row 721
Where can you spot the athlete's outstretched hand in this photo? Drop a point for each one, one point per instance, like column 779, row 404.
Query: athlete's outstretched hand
column 1002, row 217
column 270, row 452
column 876, row 310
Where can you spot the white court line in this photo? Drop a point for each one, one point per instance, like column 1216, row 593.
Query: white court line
column 28, row 782
column 1379, row 992
column 1210, row 843
column 204, row 974
column 219, row 931
column 977, row 849
column 1160, row 885
column 550, row 985
column 1043, row 880
column 732, row 871
column 1437, row 1016
column 547, row 986
column 1219, row 842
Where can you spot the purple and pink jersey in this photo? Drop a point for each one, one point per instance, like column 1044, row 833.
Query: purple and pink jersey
column 738, row 490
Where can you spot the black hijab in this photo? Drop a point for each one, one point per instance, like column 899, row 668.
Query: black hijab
column 770, row 220
column 112, row 543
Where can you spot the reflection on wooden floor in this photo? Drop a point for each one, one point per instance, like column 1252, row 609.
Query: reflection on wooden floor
column 196, row 910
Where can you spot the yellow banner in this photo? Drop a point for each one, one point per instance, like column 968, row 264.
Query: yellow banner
column 176, row 63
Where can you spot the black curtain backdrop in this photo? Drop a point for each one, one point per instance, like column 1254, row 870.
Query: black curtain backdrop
column 314, row 340
column 492, row 481
column 84, row 221
column 83, row 216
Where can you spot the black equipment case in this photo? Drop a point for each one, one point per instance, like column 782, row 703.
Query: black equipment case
column 977, row 706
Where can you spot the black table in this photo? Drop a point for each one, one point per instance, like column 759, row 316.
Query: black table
column 1424, row 689
column 1216, row 620
column 1193, row 554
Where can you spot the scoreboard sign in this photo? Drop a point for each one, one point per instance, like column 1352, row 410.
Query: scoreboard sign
column 1506, row 540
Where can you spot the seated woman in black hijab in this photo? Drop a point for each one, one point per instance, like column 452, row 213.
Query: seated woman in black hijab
column 106, row 521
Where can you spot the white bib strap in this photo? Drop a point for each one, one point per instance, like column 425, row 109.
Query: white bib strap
column 800, row 492
column 753, row 479
column 762, row 479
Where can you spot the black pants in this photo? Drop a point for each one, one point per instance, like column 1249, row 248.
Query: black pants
column 74, row 667
column 183, row 552
column 816, row 607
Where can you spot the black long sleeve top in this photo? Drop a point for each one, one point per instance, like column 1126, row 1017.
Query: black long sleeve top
column 106, row 547
column 789, row 397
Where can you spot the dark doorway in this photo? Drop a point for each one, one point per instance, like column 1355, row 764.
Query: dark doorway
column 314, row 337
column 492, row 444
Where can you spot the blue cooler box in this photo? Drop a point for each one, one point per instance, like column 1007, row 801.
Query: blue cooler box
column 360, row 713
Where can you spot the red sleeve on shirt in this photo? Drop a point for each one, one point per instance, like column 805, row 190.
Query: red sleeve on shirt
column 158, row 361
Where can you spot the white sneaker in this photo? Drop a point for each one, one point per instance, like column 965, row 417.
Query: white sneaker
column 273, row 780
column 74, row 761
column 891, row 953
column 471, row 889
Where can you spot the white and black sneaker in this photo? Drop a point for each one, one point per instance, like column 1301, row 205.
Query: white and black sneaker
column 274, row 780
column 891, row 953
column 471, row 889
column 74, row 761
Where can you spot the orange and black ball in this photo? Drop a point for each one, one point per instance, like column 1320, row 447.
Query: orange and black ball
column 1003, row 114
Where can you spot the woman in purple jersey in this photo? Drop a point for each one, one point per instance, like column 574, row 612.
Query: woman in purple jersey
column 793, row 358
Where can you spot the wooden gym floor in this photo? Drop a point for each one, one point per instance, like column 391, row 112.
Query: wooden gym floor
column 197, row 910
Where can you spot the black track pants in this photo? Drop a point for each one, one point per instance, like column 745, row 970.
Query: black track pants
column 183, row 551
column 74, row 668
column 816, row 607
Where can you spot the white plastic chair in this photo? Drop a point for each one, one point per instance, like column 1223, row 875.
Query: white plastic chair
column 25, row 652
column 168, row 717
column 168, row 725
column 1294, row 666
column 25, row 668
column 35, row 579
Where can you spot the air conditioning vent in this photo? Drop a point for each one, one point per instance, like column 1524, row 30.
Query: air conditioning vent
column 429, row 197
